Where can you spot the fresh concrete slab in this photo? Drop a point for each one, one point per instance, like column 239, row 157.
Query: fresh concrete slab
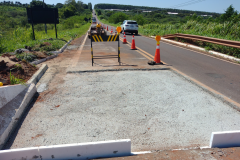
column 155, row 109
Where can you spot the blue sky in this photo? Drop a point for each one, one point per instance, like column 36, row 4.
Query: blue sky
column 218, row 6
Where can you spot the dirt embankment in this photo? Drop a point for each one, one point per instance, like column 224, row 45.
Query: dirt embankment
column 19, row 69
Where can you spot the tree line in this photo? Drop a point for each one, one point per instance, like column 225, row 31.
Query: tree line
column 142, row 8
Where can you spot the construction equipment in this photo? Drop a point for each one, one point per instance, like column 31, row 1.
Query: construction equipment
column 96, row 30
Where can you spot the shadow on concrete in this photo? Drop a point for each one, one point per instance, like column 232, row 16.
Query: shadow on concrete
column 111, row 65
column 11, row 139
column 129, row 34
column 8, row 111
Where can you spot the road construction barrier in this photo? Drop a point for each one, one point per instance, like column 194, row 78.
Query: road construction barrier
column 133, row 43
column 124, row 39
column 157, row 58
column 110, row 38
column 111, row 30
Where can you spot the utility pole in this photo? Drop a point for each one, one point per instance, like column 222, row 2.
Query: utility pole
column 45, row 23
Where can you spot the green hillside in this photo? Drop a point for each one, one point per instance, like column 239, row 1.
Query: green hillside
column 16, row 32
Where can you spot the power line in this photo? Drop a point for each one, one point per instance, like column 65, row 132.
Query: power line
column 186, row 3
column 182, row 3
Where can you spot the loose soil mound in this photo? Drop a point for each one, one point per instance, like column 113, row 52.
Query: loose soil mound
column 19, row 69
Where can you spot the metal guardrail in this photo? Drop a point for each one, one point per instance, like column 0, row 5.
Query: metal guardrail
column 229, row 43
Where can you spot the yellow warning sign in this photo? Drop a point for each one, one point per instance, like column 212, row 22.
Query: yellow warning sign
column 158, row 38
column 99, row 38
column 119, row 29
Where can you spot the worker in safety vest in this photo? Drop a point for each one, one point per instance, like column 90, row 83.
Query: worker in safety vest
column 98, row 28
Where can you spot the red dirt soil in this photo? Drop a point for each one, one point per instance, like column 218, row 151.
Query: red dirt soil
column 22, row 71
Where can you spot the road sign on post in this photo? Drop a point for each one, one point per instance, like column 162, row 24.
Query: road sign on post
column 43, row 15
column 118, row 30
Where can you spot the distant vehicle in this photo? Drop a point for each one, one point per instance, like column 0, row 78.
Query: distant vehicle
column 129, row 26
column 94, row 21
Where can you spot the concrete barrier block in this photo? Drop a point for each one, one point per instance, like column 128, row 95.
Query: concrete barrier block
column 10, row 122
column 37, row 76
column 7, row 93
column 225, row 139
column 103, row 149
column 19, row 154
column 88, row 150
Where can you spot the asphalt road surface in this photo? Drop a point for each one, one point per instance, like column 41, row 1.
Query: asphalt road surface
column 221, row 75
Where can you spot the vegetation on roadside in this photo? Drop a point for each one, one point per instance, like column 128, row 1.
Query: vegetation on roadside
column 157, row 22
column 15, row 80
column 16, row 32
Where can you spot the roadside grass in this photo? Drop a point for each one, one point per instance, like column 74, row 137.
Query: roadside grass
column 22, row 37
column 106, row 22
column 227, row 30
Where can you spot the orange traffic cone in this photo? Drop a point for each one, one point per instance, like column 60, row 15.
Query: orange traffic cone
column 107, row 28
column 133, row 43
column 124, row 39
column 157, row 54
column 111, row 30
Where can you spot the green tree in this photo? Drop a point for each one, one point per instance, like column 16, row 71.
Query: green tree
column 90, row 6
column 194, row 16
column 85, row 6
column 69, row 11
column 79, row 6
column 37, row 4
column 59, row 5
column 199, row 18
column 70, row 2
column 229, row 12
column 140, row 19
column 99, row 12
column 118, row 17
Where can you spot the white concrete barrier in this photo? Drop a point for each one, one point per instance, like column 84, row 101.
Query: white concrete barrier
column 7, row 93
column 225, row 139
column 103, row 149
column 37, row 76
column 8, row 124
